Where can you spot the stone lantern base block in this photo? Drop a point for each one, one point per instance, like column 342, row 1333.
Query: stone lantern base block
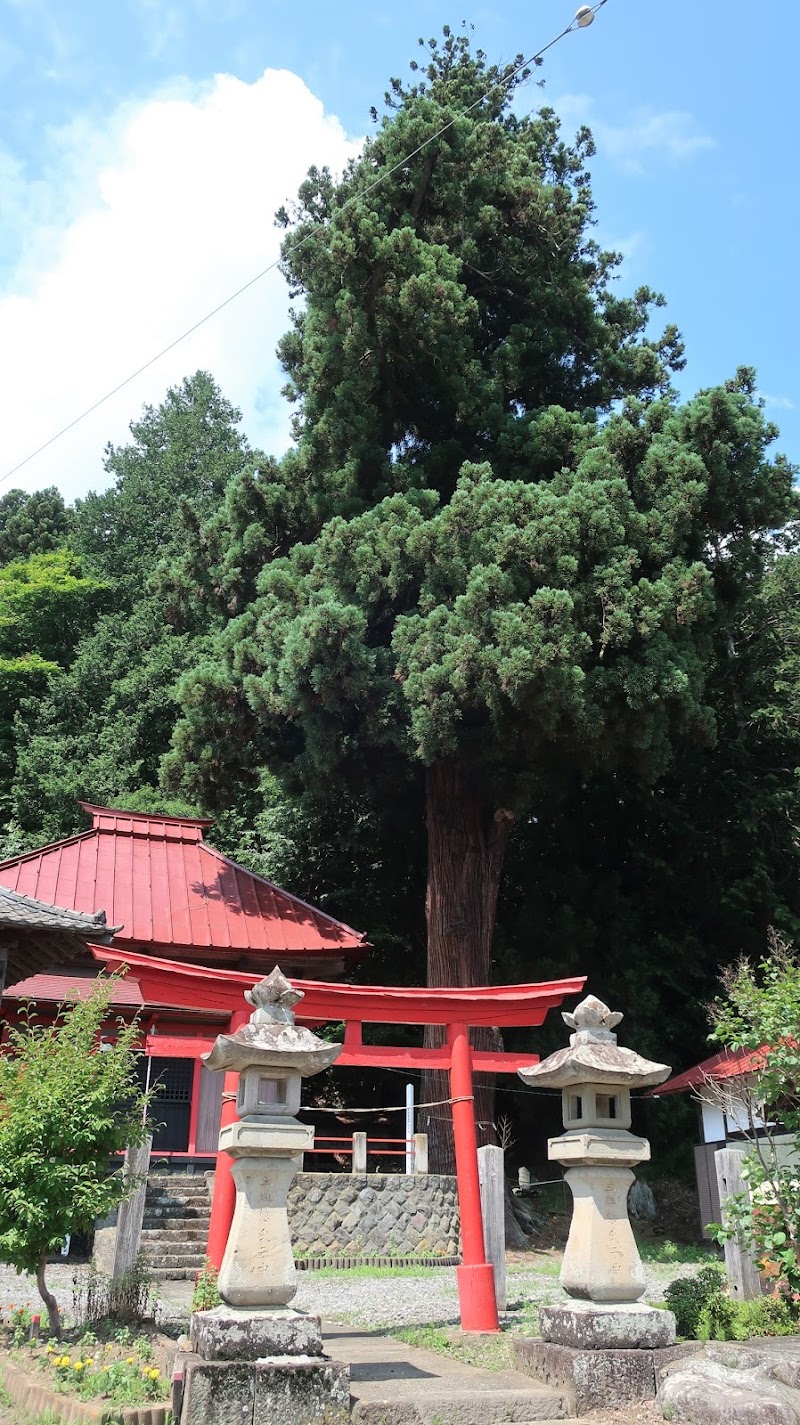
column 304, row 1391
column 281, row 1390
column 595, row 1379
column 593, row 1326
column 230, row 1334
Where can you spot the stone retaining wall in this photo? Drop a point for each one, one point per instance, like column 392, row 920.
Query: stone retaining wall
column 386, row 1214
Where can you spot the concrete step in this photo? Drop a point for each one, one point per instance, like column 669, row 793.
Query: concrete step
column 151, row 1196
column 177, row 1229
column 176, row 1210
column 182, row 1194
column 173, row 1274
column 392, row 1383
column 467, row 1406
column 174, row 1259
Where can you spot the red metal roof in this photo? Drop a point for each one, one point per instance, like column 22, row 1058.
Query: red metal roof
column 60, row 986
column 724, row 1065
column 156, row 877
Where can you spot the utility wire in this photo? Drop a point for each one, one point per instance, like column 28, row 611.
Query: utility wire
column 513, row 72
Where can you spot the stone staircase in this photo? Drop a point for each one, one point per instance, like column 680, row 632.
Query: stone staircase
column 175, row 1226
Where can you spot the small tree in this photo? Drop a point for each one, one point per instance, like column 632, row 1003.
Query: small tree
column 759, row 1016
column 65, row 1109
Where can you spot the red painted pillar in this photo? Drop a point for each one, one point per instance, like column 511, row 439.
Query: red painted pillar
column 224, row 1199
column 475, row 1276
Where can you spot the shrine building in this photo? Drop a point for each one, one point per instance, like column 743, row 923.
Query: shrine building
column 173, row 897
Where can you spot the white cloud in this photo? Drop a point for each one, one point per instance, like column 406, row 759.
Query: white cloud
column 171, row 211
column 778, row 403
column 672, row 134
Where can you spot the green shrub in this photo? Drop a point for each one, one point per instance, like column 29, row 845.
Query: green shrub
column 687, row 1296
column 724, row 1320
column 766, row 1316
column 206, row 1288
column 718, row 1320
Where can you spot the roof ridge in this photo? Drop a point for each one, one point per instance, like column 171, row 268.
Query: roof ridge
column 315, row 909
column 92, row 809
column 48, row 846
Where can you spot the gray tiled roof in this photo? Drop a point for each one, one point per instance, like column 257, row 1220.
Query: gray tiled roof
column 24, row 913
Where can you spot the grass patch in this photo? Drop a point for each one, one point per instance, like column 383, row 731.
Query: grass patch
column 488, row 1353
column 541, row 1265
column 675, row 1253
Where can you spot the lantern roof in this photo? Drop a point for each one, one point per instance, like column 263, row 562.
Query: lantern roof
column 271, row 1039
column 594, row 1056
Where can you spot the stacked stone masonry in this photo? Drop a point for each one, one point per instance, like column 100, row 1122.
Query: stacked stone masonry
column 332, row 1216
column 338, row 1214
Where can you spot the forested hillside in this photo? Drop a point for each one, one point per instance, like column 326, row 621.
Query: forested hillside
column 507, row 600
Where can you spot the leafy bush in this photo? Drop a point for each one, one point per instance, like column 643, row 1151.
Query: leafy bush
column 206, row 1290
column 67, row 1110
column 687, row 1296
column 757, row 1017
column 722, row 1319
column 718, row 1319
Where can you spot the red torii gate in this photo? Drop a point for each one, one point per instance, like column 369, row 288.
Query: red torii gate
column 458, row 1009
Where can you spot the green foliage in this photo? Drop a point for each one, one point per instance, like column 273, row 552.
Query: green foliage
column 758, row 1014
column 686, row 1298
column 65, row 1109
column 92, row 1371
column 500, row 544
column 101, row 729
column 718, row 1318
column 722, row 1319
column 206, row 1288
column 35, row 523
column 176, row 467
column 47, row 604
column 672, row 1252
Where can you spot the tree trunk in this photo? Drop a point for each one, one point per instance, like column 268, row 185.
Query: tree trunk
column 53, row 1314
column 466, row 846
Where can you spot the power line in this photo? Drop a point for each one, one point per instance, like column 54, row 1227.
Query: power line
column 581, row 20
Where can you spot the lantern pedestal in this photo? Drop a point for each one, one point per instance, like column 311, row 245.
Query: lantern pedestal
column 258, row 1267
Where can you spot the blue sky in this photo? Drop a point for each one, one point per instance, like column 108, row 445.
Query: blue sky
column 137, row 185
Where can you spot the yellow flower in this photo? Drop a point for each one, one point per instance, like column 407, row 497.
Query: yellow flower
column 154, row 1374
column 49, row 1350
column 131, row 1361
column 78, row 1366
column 109, row 1345
column 89, row 1360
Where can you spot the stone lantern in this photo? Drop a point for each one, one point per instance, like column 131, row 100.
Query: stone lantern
column 253, row 1358
column 601, row 1265
column 272, row 1055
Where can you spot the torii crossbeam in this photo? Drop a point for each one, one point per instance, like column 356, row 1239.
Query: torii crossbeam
column 457, row 1009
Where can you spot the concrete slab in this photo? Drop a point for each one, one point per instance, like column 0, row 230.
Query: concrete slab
column 392, row 1383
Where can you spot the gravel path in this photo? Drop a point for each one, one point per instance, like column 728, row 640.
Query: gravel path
column 432, row 1299
column 377, row 1301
